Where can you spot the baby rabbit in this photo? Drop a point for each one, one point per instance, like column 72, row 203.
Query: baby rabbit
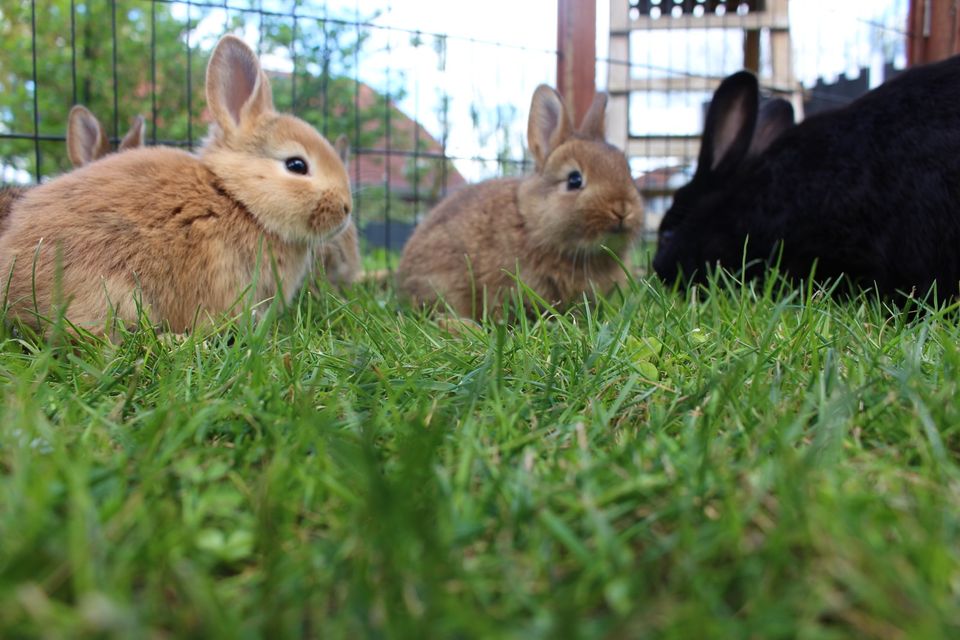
column 870, row 191
column 86, row 142
column 549, row 227
column 181, row 235
column 339, row 258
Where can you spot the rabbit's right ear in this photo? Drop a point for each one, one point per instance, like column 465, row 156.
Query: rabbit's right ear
column 86, row 140
column 549, row 124
column 134, row 137
column 731, row 118
column 342, row 147
column 775, row 117
column 238, row 91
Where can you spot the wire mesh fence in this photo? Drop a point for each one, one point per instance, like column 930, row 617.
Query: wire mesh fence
column 431, row 94
column 424, row 110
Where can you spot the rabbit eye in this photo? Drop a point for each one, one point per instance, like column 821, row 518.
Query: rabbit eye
column 574, row 181
column 296, row 165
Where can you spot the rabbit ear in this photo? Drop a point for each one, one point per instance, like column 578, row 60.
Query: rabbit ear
column 238, row 92
column 86, row 140
column 775, row 117
column 342, row 147
column 134, row 137
column 730, row 122
column 593, row 124
column 549, row 124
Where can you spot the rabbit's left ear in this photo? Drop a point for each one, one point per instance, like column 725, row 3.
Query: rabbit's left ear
column 728, row 130
column 549, row 124
column 86, row 139
column 775, row 117
column 238, row 91
column 134, row 137
column 593, row 125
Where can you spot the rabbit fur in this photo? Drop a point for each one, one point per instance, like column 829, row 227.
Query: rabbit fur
column 339, row 258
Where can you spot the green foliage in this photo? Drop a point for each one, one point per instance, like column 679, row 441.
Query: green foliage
column 743, row 463
column 137, row 23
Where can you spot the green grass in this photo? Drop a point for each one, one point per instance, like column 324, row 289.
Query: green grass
column 741, row 464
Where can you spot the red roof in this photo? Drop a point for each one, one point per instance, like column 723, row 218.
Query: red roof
column 369, row 166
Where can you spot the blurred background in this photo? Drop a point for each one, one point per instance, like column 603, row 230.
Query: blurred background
column 434, row 94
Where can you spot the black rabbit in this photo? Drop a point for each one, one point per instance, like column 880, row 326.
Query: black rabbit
column 870, row 191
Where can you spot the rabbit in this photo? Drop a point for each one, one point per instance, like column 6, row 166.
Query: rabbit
column 86, row 142
column 339, row 258
column 550, row 227
column 178, row 235
column 870, row 191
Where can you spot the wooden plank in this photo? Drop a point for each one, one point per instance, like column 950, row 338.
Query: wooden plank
column 751, row 50
column 618, row 69
column 754, row 21
column 693, row 83
column 577, row 54
column 619, row 16
column 663, row 147
column 617, row 121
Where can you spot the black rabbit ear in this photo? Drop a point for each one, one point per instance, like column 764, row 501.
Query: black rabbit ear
column 549, row 124
column 730, row 123
column 775, row 117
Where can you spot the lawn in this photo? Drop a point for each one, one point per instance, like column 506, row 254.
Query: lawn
column 740, row 462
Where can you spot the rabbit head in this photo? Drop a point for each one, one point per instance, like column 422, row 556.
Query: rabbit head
column 736, row 134
column 287, row 175
column 581, row 196
column 87, row 141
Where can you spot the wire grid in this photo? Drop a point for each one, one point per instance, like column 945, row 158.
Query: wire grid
column 344, row 71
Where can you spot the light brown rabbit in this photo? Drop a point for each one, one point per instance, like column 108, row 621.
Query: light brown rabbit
column 339, row 257
column 182, row 235
column 548, row 227
column 86, row 142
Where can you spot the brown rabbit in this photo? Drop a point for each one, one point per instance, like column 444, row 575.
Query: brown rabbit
column 182, row 235
column 549, row 228
column 86, row 142
column 339, row 257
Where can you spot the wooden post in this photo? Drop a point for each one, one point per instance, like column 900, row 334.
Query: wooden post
column 577, row 54
column 933, row 30
column 751, row 50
